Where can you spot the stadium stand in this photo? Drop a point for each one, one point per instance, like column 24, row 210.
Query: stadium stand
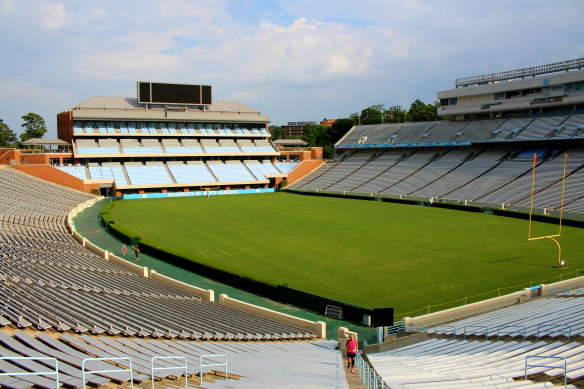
column 50, row 281
column 286, row 167
column 495, row 349
column 192, row 172
column 462, row 132
column 77, row 171
column 222, row 131
column 485, row 162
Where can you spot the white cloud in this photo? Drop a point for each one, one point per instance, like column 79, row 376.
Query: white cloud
column 51, row 16
column 292, row 59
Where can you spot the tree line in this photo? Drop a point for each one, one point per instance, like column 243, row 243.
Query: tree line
column 33, row 127
column 325, row 136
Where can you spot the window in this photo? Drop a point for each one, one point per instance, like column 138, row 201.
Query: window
column 499, row 95
column 450, row 101
column 574, row 87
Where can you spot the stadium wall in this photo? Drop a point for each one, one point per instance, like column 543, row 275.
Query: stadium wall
column 318, row 327
column 306, row 167
column 50, row 173
column 518, row 297
column 491, row 210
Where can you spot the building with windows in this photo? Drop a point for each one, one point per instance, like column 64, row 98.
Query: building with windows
column 173, row 137
column 294, row 129
column 556, row 88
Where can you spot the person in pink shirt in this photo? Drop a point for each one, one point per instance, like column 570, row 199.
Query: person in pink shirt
column 352, row 346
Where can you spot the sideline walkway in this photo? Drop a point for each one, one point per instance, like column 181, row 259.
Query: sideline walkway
column 88, row 224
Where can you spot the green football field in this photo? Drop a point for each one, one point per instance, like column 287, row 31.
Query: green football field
column 367, row 253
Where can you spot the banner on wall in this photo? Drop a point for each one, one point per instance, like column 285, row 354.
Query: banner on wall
column 203, row 193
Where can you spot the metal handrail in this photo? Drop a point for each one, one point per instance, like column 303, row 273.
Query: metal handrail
column 368, row 375
column 201, row 364
column 452, row 327
column 549, row 366
column 533, row 71
column 129, row 369
column 554, row 329
column 486, row 328
column 169, row 367
column 505, row 326
column 55, row 372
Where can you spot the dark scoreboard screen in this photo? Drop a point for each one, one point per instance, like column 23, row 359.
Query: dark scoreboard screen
column 163, row 93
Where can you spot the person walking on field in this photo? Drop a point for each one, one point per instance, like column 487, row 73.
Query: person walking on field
column 124, row 249
column 137, row 252
column 352, row 346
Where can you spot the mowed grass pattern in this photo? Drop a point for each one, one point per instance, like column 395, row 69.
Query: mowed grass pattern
column 366, row 253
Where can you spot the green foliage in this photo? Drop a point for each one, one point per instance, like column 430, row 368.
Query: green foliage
column 7, row 136
column 395, row 114
column 277, row 132
column 33, row 125
column 393, row 255
column 316, row 135
column 283, row 183
column 420, row 112
column 95, row 192
column 340, row 128
column 372, row 114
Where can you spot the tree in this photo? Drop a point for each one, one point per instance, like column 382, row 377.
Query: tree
column 316, row 135
column 372, row 114
column 34, row 126
column 7, row 136
column 340, row 128
column 420, row 112
column 277, row 132
column 319, row 135
column 395, row 114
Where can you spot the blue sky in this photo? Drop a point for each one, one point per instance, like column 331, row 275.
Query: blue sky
column 293, row 60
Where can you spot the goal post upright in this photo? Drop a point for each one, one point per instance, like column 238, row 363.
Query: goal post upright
column 551, row 237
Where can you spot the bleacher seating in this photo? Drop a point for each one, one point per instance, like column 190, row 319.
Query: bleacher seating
column 447, row 363
column 500, row 174
column 49, row 281
column 446, row 132
column 258, row 365
column 153, row 173
column 491, row 349
column 77, row 171
column 230, row 171
column 108, row 171
column 194, row 172
column 286, row 167
column 261, row 169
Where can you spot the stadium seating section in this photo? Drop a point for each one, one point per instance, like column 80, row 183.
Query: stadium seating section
column 181, row 172
column 494, row 169
column 50, row 281
column 447, row 133
column 159, row 154
column 490, row 350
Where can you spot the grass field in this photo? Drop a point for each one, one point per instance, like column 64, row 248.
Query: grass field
column 366, row 253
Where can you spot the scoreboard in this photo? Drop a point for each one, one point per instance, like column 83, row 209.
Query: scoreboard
column 165, row 93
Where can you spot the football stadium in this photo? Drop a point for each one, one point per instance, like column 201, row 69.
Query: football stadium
column 166, row 241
